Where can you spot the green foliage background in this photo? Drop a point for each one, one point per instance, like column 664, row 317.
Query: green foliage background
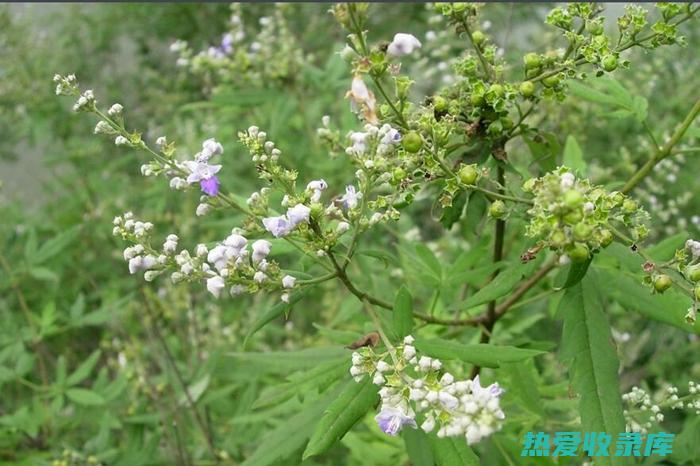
column 69, row 307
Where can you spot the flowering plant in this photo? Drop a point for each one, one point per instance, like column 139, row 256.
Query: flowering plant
column 450, row 234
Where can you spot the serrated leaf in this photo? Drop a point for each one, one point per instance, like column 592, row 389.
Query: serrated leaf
column 85, row 397
column 481, row 354
column 348, row 408
column 84, row 369
column 573, row 156
column 452, row 451
column 403, row 313
column 587, row 347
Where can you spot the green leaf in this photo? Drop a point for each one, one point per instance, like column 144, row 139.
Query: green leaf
column 452, row 451
column 573, row 156
column 288, row 437
column 53, row 246
column 196, row 390
column 288, row 361
column 481, row 354
column 84, row 396
column 452, row 213
column 348, row 408
column 545, row 149
column 427, row 257
column 589, row 351
column 403, row 312
column 418, row 447
column 504, row 282
column 84, row 369
column 577, row 270
column 274, row 312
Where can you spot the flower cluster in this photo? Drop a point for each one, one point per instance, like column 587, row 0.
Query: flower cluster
column 247, row 57
column 687, row 261
column 643, row 410
column 412, row 384
column 231, row 263
column 575, row 218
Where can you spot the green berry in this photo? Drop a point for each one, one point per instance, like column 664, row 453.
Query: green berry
column 478, row 37
column 497, row 90
column 468, row 174
column 532, row 60
column 477, row 100
column 693, row 273
column 398, row 175
column 697, row 292
column 578, row 252
column 497, row 209
column 527, row 88
column 662, row 283
column 412, row 142
column 573, row 198
column 439, row 104
column 609, row 63
column 606, row 237
column 582, row 231
column 629, row 206
column 557, row 239
column 573, row 217
column 551, row 81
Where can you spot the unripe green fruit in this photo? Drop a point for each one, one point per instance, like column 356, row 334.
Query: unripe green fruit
column 412, row 142
column 578, row 252
column 573, row 217
column 606, row 238
column 693, row 273
column 573, row 198
column 468, row 174
column 609, row 63
column 398, row 174
column 662, row 283
column 478, row 37
column 477, row 100
column 497, row 209
column 527, row 88
column 551, row 81
column 595, row 29
column 316, row 210
column 497, row 89
column 582, row 231
column 439, row 104
column 557, row 239
column 532, row 60
column 697, row 292
column 629, row 206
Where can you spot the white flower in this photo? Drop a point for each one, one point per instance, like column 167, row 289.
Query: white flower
column 236, row 290
column 178, row 183
column 428, row 425
column 170, row 244
column 210, row 148
column 378, row 379
column 103, row 127
column 235, row 241
column 199, row 171
column 215, row 284
column 567, row 180
column 161, row 141
column 351, row 197
column 392, row 418
column 278, row 226
column 317, row 187
column 259, row 277
column 285, row 297
column 391, row 137
column 359, row 143
column 383, row 366
column 298, row 214
column 362, row 100
column 121, row 141
column 288, row 281
column 342, row 227
column 261, row 248
column 201, row 250
column 403, row 44
column 115, row 110
column 203, row 209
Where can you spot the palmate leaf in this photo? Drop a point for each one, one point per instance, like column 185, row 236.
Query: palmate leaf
column 486, row 355
column 588, row 349
column 452, row 451
column 348, row 408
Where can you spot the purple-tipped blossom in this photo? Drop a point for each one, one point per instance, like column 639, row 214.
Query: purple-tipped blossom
column 392, row 419
column 210, row 186
column 278, row 226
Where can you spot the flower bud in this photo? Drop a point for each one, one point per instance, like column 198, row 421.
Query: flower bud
column 662, row 283
column 582, row 231
column 478, row 38
column 606, row 237
column 439, row 104
column 629, row 206
column 497, row 90
column 609, row 63
column 697, row 292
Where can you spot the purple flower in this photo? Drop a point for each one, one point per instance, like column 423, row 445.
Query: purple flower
column 278, row 226
column 351, row 197
column 392, row 419
column 210, row 186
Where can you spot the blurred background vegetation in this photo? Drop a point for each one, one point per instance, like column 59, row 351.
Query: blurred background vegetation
column 95, row 361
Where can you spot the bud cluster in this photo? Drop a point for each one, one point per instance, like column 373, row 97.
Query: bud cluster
column 575, row 218
column 418, row 384
column 643, row 411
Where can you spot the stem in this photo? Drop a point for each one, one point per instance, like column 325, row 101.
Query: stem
column 482, row 60
column 664, row 151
